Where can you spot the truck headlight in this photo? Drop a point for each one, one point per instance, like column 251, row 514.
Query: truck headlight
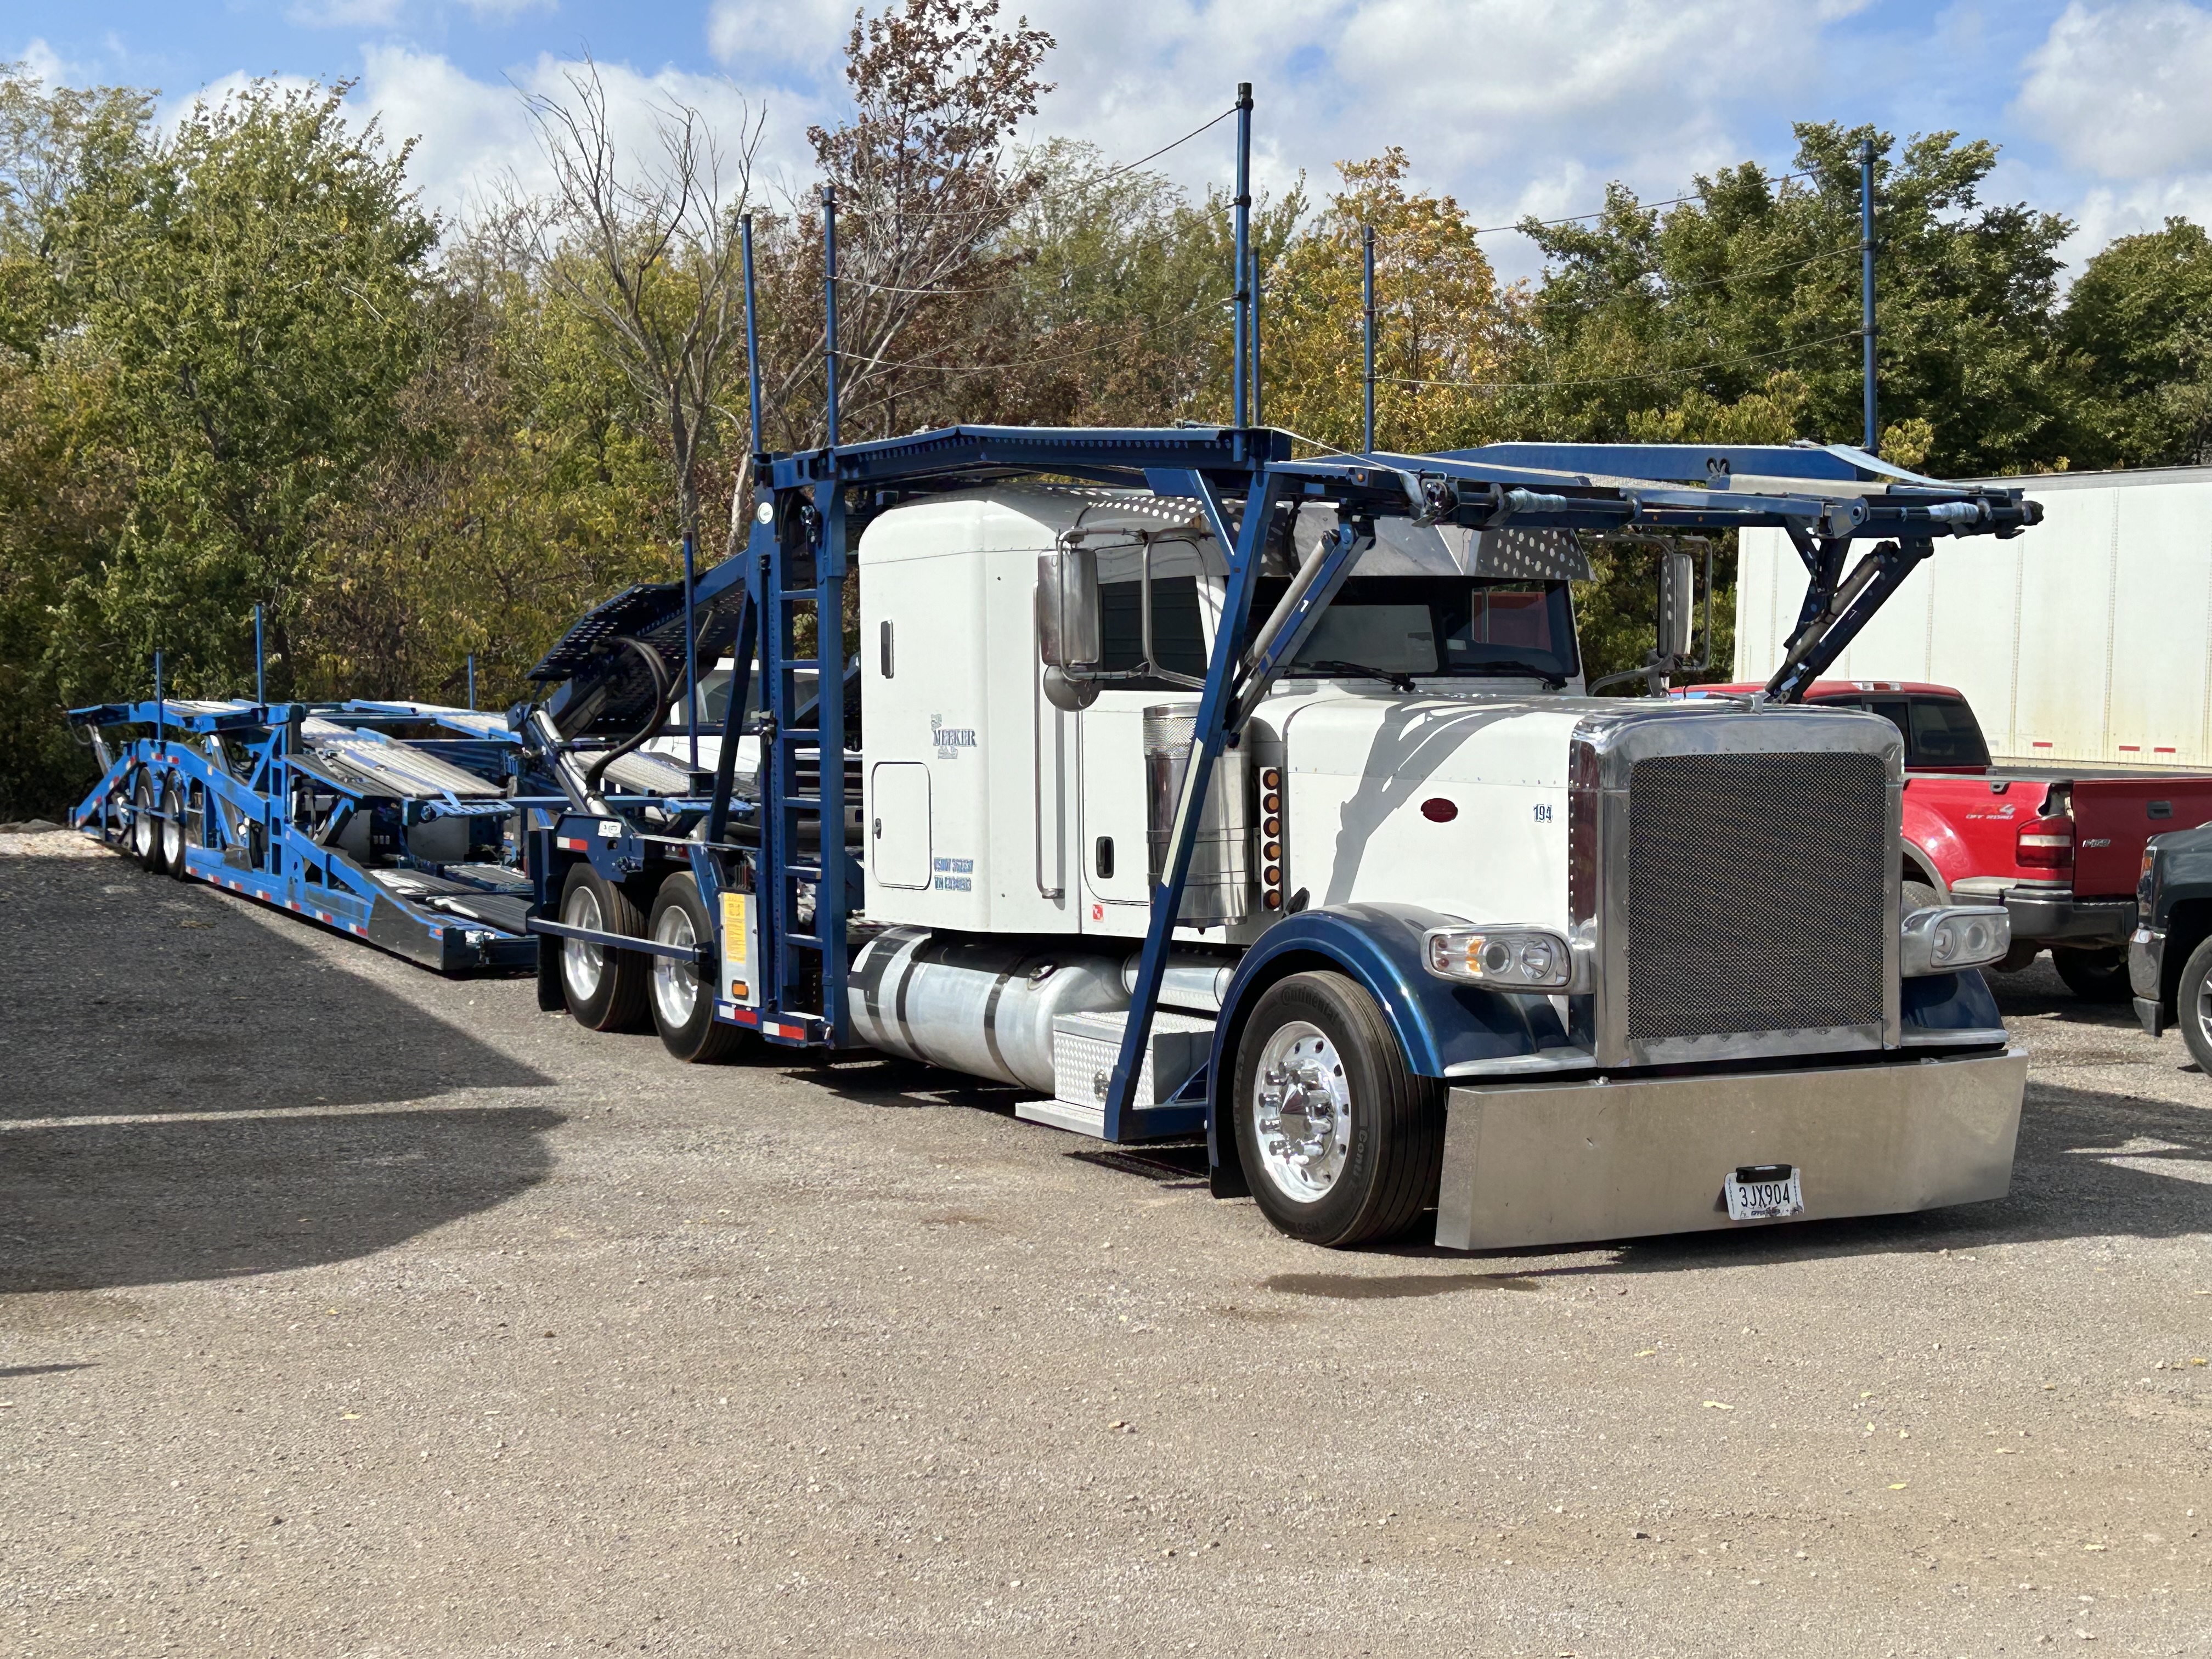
column 1510, row 959
column 1944, row 939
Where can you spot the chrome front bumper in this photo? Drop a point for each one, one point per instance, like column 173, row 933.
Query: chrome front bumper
column 1570, row 1163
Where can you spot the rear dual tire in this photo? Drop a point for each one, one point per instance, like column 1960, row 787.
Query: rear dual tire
column 604, row 989
column 1341, row 1143
column 2094, row 976
column 682, row 997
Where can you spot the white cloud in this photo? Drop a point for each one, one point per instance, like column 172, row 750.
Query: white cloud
column 474, row 136
column 46, row 63
column 1514, row 106
column 2122, row 90
column 345, row 14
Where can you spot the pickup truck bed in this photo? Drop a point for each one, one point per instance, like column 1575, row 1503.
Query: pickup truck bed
column 2060, row 849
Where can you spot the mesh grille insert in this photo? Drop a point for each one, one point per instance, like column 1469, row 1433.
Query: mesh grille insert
column 1755, row 893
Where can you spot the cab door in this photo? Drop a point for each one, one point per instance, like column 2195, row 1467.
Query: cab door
column 1115, row 865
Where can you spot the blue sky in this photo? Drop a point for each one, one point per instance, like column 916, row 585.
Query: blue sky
column 2103, row 108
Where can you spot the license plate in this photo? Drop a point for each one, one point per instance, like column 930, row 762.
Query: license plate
column 1763, row 1192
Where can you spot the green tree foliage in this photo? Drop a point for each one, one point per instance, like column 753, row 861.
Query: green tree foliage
column 1652, row 325
column 2139, row 321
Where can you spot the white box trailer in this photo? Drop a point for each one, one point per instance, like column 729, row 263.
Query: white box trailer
column 2090, row 641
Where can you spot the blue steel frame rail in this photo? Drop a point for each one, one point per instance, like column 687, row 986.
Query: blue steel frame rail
column 1826, row 497
column 235, row 766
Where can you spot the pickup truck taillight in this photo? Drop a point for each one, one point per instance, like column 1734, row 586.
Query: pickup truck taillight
column 2046, row 844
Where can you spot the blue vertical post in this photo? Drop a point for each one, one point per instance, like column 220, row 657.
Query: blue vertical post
column 753, row 337
column 473, row 682
column 1258, row 418
column 160, row 736
column 691, row 656
column 260, row 662
column 829, row 303
column 1367, row 248
column 1866, row 290
column 1243, row 206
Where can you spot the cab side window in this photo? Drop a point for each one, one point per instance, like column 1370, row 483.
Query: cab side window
column 1945, row 733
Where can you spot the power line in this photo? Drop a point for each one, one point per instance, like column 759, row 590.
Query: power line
column 1617, row 379
column 1677, row 201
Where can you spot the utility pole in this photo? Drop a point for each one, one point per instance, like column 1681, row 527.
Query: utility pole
column 1367, row 248
column 1866, row 291
column 1243, row 205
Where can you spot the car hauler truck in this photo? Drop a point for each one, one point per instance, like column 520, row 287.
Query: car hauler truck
column 1193, row 789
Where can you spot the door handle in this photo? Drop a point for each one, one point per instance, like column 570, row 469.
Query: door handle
column 879, row 830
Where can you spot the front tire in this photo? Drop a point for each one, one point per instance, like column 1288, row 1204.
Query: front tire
column 1341, row 1144
column 684, row 999
column 2192, row 1005
column 605, row 988
column 2094, row 976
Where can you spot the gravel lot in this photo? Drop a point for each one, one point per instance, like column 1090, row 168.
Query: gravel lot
column 350, row 1311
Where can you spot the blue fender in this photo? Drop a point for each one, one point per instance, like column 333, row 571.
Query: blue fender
column 1437, row 1023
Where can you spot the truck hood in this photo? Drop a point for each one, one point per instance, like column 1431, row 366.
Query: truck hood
column 1459, row 803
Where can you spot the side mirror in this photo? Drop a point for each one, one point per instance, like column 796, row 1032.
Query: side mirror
column 1068, row 630
column 1677, row 599
column 1067, row 609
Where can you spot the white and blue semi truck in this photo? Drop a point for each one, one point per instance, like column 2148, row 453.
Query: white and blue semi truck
column 1194, row 790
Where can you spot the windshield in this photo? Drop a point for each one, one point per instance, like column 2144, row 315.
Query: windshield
column 1438, row 625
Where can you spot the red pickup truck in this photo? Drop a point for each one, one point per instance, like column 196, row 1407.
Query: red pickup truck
column 2059, row 849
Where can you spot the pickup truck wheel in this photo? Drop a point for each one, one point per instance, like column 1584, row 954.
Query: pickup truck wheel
column 2192, row 1002
column 1341, row 1143
column 684, row 999
column 2094, row 976
column 606, row 989
column 1917, row 895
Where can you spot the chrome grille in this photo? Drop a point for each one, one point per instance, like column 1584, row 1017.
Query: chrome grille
column 1757, row 889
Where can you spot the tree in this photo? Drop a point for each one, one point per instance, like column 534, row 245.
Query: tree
column 254, row 282
column 649, row 251
column 924, row 196
column 1650, row 321
column 1441, row 333
column 2140, row 319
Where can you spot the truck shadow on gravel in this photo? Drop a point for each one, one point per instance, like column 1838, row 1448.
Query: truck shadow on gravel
column 138, row 997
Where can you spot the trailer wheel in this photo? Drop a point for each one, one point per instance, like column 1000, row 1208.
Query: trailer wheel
column 174, row 840
column 2192, row 1002
column 606, row 989
column 1341, row 1143
column 145, row 827
column 2094, row 976
column 682, row 1001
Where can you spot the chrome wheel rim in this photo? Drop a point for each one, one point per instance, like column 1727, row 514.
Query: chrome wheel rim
column 675, row 981
column 172, row 832
column 582, row 964
column 144, row 824
column 2204, row 1012
column 1302, row 1112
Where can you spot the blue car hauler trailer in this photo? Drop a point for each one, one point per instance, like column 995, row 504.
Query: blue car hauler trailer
column 1205, row 790
column 408, row 842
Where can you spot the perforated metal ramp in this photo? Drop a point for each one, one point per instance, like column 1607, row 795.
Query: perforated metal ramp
column 365, row 763
column 506, row 909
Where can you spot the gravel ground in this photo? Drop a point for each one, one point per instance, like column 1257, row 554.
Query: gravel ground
column 351, row 1311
